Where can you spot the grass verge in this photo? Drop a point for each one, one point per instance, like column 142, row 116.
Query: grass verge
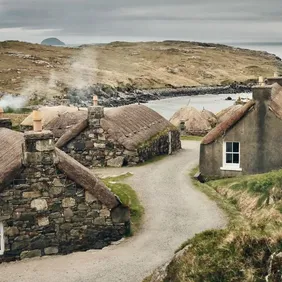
column 250, row 247
column 128, row 197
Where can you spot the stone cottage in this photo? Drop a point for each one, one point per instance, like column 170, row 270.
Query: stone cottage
column 115, row 137
column 192, row 122
column 249, row 141
column 50, row 203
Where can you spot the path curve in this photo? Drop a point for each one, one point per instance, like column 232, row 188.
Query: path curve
column 175, row 211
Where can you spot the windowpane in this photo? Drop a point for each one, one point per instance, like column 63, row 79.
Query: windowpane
column 229, row 147
column 236, row 147
column 229, row 158
column 235, row 158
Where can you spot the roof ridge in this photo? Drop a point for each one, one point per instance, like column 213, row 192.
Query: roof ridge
column 225, row 125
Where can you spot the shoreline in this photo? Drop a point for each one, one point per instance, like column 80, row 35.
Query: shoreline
column 145, row 96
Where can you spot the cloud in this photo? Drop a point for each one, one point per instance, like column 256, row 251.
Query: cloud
column 216, row 20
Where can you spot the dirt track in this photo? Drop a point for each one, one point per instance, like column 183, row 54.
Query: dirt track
column 175, row 211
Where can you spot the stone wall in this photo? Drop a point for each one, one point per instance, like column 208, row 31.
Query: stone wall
column 94, row 147
column 45, row 213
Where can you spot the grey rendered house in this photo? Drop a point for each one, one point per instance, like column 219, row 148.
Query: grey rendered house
column 249, row 141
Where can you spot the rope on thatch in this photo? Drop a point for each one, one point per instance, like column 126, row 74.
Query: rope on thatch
column 227, row 112
column 71, row 133
column 228, row 123
column 85, row 178
column 10, row 154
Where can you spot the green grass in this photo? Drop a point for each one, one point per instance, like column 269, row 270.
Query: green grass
column 191, row 138
column 241, row 251
column 129, row 198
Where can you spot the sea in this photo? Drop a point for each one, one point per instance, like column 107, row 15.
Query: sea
column 213, row 103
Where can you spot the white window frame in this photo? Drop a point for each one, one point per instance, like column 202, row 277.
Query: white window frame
column 228, row 166
column 2, row 239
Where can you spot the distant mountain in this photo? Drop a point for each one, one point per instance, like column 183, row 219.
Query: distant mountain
column 52, row 42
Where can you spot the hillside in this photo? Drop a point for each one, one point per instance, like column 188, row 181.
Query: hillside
column 249, row 249
column 46, row 70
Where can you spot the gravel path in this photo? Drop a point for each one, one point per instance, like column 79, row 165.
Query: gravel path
column 175, row 211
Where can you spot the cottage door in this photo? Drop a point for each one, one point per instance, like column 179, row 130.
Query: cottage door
column 2, row 241
column 169, row 143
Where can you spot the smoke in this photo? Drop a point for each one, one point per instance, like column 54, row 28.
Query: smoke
column 78, row 73
column 14, row 102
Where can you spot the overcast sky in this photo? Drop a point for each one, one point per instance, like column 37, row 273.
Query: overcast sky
column 90, row 21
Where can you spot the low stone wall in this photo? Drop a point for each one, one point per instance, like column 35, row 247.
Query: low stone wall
column 45, row 213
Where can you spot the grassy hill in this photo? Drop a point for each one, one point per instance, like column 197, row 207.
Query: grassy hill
column 249, row 249
column 32, row 68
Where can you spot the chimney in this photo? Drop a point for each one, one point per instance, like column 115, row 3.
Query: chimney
column 262, row 92
column 37, row 121
column 95, row 113
column 275, row 79
column 4, row 122
column 39, row 149
column 95, row 100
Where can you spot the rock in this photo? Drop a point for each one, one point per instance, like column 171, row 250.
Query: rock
column 68, row 213
column 100, row 221
column 30, row 254
column 39, row 204
column 45, row 145
column 116, row 162
column 89, row 198
column 43, row 221
column 68, row 202
column 11, row 231
column 100, row 145
column 33, row 194
column 52, row 41
column 51, row 250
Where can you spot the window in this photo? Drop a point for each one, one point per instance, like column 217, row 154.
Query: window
column 231, row 156
column 2, row 241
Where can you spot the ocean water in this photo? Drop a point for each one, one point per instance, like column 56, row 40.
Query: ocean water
column 214, row 103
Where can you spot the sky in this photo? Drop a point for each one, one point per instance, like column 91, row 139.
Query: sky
column 101, row 21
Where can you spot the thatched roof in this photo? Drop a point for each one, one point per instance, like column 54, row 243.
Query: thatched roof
column 227, row 112
column 133, row 125
column 209, row 116
column 60, row 124
column 48, row 114
column 227, row 124
column 130, row 125
column 11, row 163
column 10, row 154
column 195, row 123
column 276, row 100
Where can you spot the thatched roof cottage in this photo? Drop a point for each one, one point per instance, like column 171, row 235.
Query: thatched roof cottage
column 190, row 121
column 50, row 203
column 114, row 137
column 249, row 141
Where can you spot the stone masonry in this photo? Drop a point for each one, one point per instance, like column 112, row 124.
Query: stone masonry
column 45, row 213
